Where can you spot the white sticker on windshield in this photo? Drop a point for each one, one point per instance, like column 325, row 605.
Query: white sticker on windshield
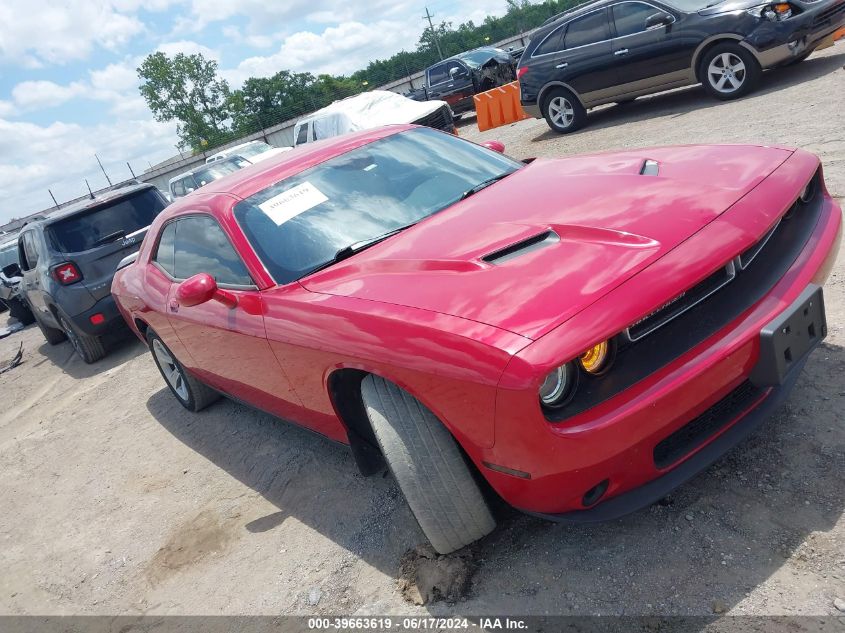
column 292, row 202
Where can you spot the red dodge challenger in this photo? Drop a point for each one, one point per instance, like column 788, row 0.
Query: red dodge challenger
column 579, row 335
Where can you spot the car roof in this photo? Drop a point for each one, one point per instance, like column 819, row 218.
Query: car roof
column 87, row 204
column 254, row 178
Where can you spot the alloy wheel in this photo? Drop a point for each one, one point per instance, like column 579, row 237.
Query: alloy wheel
column 561, row 112
column 172, row 372
column 726, row 73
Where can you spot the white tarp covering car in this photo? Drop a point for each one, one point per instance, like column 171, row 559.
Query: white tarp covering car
column 369, row 110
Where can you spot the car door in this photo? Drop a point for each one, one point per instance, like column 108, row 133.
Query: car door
column 453, row 88
column 586, row 61
column 228, row 347
column 30, row 251
column 648, row 56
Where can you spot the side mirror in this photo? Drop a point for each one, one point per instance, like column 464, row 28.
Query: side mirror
column 658, row 19
column 496, row 146
column 456, row 73
column 201, row 288
column 12, row 270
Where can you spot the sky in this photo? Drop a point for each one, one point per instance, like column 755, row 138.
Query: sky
column 69, row 86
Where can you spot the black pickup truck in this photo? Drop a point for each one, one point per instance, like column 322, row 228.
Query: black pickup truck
column 457, row 79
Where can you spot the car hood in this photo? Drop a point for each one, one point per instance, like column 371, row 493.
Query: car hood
column 532, row 250
column 729, row 6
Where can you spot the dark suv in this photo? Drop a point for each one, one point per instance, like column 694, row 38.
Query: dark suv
column 618, row 50
column 68, row 259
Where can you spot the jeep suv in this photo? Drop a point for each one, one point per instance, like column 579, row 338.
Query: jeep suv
column 617, row 50
column 68, row 259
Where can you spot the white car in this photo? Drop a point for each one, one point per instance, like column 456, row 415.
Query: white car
column 369, row 110
column 253, row 151
column 189, row 181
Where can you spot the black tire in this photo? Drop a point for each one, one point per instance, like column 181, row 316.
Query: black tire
column 563, row 112
column 89, row 348
column 20, row 311
column 719, row 74
column 190, row 392
column 51, row 334
column 428, row 466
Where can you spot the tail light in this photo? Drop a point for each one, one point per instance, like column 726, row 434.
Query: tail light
column 521, row 71
column 66, row 273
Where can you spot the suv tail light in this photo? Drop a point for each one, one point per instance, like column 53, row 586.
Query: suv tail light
column 66, row 273
column 521, row 71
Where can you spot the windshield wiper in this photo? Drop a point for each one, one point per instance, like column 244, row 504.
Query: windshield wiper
column 111, row 237
column 357, row 247
column 483, row 185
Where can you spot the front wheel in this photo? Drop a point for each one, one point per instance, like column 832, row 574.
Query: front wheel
column 190, row 392
column 728, row 71
column 428, row 466
column 563, row 112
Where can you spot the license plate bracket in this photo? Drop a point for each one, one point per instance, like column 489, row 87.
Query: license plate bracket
column 787, row 340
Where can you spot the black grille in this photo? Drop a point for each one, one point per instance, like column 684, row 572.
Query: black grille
column 440, row 119
column 829, row 15
column 640, row 358
column 696, row 433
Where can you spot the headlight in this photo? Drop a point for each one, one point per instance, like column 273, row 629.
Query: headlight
column 596, row 360
column 559, row 386
column 772, row 12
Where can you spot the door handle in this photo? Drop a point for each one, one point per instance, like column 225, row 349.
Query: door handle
column 563, row 65
column 621, row 51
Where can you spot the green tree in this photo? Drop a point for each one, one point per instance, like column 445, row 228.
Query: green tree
column 186, row 89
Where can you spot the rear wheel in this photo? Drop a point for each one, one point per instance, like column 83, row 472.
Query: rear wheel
column 428, row 466
column 89, row 348
column 728, row 71
column 53, row 336
column 563, row 112
column 190, row 392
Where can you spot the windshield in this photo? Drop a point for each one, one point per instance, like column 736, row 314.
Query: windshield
column 691, row 6
column 218, row 169
column 88, row 229
column 254, row 149
column 8, row 254
column 481, row 56
column 300, row 223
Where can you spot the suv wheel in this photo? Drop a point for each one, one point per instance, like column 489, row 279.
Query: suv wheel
column 51, row 334
column 728, row 71
column 190, row 392
column 89, row 348
column 20, row 311
column 428, row 465
column 563, row 112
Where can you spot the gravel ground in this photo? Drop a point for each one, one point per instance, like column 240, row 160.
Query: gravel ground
column 115, row 500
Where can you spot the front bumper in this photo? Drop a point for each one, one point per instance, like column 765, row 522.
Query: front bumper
column 777, row 43
column 616, row 441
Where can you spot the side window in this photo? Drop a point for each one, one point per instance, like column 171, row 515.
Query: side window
column 438, row 74
column 177, row 188
column 552, row 44
column 630, row 17
column 302, row 135
column 188, row 184
column 202, row 247
column 590, row 29
column 30, row 250
column 164, row 252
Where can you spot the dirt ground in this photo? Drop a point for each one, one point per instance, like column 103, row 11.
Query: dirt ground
column 113, row 499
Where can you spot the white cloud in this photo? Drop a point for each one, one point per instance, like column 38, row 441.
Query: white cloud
column 7, row 109
column 187, row 47
column 60, row 31
column 37, row 95
column 59, row 156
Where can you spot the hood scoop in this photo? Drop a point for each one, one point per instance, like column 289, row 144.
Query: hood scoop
column 650, row 168
column 529, row 245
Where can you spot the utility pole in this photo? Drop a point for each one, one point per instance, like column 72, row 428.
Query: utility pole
column 428, row 17
column 130, row 169
column 104, row 171
column 90, row 193
column 54, row 198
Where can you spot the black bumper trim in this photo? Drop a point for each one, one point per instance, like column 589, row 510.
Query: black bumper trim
column 656, row 489
column 105, row 306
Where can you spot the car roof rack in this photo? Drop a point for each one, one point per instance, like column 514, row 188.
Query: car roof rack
column 571, row 9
